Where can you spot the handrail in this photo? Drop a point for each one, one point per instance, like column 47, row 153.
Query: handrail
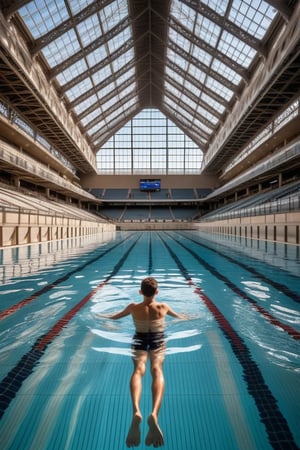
column 286, row 204
column 10, row 154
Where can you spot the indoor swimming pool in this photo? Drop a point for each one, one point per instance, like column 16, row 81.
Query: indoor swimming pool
column 232, row 370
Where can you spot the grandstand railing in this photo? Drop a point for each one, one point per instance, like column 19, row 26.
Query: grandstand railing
column 283, row 205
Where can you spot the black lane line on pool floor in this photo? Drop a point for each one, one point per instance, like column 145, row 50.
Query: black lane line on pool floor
column 13, row 381
column 12, row 309
column 277, row 428
column 279, row 286
column 150, row 261
column 273, row 320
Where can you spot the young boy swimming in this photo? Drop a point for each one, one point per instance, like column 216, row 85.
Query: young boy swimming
column 149, row 340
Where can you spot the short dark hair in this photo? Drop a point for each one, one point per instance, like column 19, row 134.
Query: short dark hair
column 149, row 286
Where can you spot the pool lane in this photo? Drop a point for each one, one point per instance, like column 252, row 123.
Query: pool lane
column 294, row 296
column 11, row 384
column 275, row 423
column 15, row 307
column 185, row 423
column 273, row 320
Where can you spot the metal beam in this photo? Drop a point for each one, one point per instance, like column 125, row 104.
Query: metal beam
column 113, row 108
column 104, row 100
column 196, row 100
column 284, row 9
column 226, row 24
column 90, row 48
column 98, row 86
column 204, row 68
column 49, row 37
column 196, row 83
column 92, row 70
column 10, row 7
column 209, row 49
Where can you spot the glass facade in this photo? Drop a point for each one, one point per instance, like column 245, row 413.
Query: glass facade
column 149, row 144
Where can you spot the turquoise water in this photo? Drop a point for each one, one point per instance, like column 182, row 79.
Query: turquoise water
column 231, row 371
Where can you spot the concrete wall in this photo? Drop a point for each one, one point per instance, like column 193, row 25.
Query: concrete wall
column 284, row 227
column 19, row 228
column 132, row 181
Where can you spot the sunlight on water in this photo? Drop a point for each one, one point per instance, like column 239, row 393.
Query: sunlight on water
column 77, row 384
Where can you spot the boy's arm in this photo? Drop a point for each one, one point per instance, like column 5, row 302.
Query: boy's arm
column 125, row 312
column 172, row 313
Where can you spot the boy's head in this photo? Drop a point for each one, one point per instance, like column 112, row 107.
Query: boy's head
column 148, row 287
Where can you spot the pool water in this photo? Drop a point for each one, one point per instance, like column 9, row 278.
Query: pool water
column 232, row 370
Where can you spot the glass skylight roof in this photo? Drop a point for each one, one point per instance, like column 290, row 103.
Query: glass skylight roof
column 82, row 46
column 90, row 51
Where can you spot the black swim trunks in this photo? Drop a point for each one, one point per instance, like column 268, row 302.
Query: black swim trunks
column 148, row 341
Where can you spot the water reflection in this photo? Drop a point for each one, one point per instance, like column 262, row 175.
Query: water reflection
column 123, row 337
column 26, row 259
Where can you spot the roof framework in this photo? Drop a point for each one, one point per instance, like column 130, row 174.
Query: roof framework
column 191, row 59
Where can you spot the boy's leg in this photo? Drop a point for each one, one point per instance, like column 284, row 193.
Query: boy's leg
column 155, row 435
column 139, row 361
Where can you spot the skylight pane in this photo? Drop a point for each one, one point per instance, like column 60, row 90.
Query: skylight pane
column 99, row 126
column 207, row 115
column 87, row 119
column 116, row 42
column 72, row 72
column 62, row 48
column 213, row 103
column 179, row 40
column 122, row 60
column 191, row 103
column 97, row 55
column 89, row 30
column 236, row 49
column 177, row 59
column 131, row 88
column 86, row 104
column 185, row 15
column 112, row 14
column 197, row 73
column 192, row 88
column 201, row 55
column 101, row 75
column 219, row 89
column 220, row 6
column 202, row 126
column 226, row 72
column 79, row 89
column 126, row 76
column 207, row 30
column 78, row 5
column 106, row 90
column 42, row 16
column 174, row 76
column 253, row 17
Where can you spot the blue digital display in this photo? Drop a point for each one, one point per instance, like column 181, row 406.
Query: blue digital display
column 150, row 185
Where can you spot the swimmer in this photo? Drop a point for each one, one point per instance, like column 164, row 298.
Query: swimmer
column 149, row 340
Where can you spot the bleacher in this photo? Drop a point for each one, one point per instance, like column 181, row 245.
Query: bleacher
column 13, row 199
column 98, row 193
column 161, row 213
column 273, row 200
column 133, row 213
column 115, row 194
column 138, row 195
column 188, row 194
column 184, row 213
column 163, row 194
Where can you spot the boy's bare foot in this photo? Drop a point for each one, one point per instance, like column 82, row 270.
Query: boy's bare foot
column 154, row 436
column 134, row 436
